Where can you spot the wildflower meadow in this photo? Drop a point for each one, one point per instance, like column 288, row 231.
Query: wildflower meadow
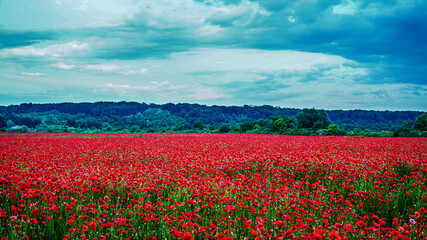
column 211, row 186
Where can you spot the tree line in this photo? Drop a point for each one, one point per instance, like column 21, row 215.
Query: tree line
column 183, row 117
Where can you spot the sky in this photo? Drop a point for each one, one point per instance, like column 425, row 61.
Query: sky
column 330, row 54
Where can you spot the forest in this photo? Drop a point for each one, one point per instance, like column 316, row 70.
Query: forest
column 133, row 117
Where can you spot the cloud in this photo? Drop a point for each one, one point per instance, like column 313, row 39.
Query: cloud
column 288, row 90
column 211, row 60
column 207, row 30
column 346, row 8
column 116, row 69
column 13, row 38
column 61, row 65
column 103, row 67
column 390, row 34
column 56, row 50
column 301, row 51
column 66, row 14
column 240, row 15
column 162, row 89
column 136, row 71
column 134, row 91
column 225, row 2
column 180, row 26
column 266, row 86
column 165, row 14
column 200, row 93
column 155, row 45
column 32, row 74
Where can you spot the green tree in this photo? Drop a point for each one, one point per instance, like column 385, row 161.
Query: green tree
column 224, row 128
column 333, row 129
column 317, row 125
column 246, row 126
column 291, row 121
column 71, row 123
column 135, row 129
column 324, row 118
column 312, row 118
column 10, row 123
column 198, row 124
column 279, row 126
column 177, row 127
column 3, row 123
column 358, row 131
column 256, row 130
column 405, row 130
column 421, row 123
column 234, row 129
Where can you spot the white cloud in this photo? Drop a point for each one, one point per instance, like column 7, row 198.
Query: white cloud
column 136, row 71
column 207, row 94
column 162, row 86
column 61, row 65
column 163, row 89
column 56, row 50
column 239, row 15
column 71, row 14
column 196, row 15
column 103, row 67
column 151, row 86
column 207, row 30
column 157, row 88
column 347, row 7
column 113, row 68
column 32, row 74
column 252, row 60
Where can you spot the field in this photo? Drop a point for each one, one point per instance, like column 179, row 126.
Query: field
column 211, row 186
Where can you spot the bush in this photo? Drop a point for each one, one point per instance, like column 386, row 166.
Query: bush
column 246, row 126
column 333, row 129
column 224, row 128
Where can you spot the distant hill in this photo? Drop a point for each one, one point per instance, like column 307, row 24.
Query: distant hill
column 181, row 116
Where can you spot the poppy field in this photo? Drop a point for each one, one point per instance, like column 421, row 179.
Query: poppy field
column 211, row 186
